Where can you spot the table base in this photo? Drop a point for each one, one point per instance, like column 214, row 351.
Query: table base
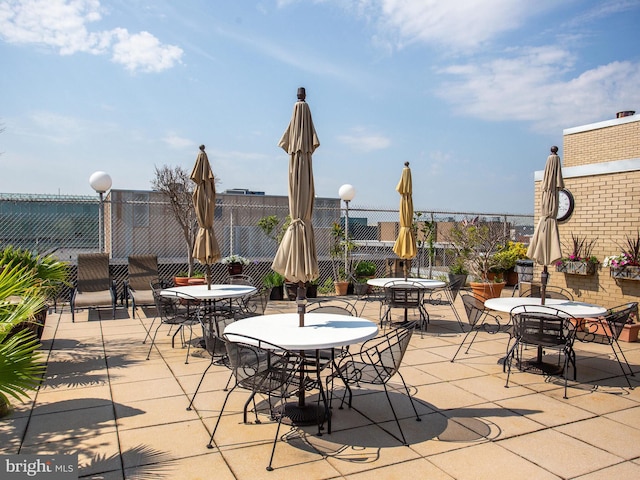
column 310, row 414
column 535, row 366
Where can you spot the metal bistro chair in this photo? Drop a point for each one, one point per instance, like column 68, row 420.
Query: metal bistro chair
column 376, row 363
column 252, row 305
column 550, row 292
column 213, row 325
column 546, row 328
column 177, row 309
column 482, row 319
column 261, row 368
column 447, row 296
column 606, row 331
column 406, row 295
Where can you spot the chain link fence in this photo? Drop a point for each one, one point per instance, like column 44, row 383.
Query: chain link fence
column 142, row 222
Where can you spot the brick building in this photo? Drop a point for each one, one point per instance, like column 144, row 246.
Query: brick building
column 601, row 168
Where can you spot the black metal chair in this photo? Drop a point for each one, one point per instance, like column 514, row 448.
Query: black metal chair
column 177, row 309
column 406, row 295
column 606, row 331
column 481, row 320
column 261, row 368
column 213, row 325
column 252, row 305
column 551, row 291
column 376, row 363
column 447, row 296
column 546, row 328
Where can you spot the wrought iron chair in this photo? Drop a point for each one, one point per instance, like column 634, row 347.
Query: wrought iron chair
column 177, row 309
column 261, row 368
column 406, row 295
column 241, row 279
column 213, row 325
column 551, row 291
column 251, row 305
column 482, row 320
column 94, row 286
column 142, row 272
column 447, row 296
column 376, row 363
column 606, row 331
column 547, row 328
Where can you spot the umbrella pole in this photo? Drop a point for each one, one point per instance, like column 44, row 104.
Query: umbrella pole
column 301, row 300
column 544, row 278
column 208, row 274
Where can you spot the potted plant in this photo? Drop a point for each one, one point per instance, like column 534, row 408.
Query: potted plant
column 275, row 282
column 626, row 265
column 181, row 278
column 458, row 271
column 477, row 243
column 580, row 261
column 363, row 271
column 235, row 264
column 505, row 260
column 340, row 275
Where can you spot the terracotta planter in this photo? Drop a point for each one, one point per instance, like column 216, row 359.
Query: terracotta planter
column 180, row 281
column 486, row 290
column 341, row 287
column 629, row 331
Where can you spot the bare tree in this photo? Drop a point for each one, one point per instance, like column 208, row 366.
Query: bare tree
column 176, row 184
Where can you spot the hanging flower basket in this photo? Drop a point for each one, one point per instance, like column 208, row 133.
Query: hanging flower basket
column 627, row 272
column 581, row 267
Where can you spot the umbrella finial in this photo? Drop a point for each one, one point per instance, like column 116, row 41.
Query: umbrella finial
column 554, row 150
column 302, row 94
column 406, row 164
column 201, row 148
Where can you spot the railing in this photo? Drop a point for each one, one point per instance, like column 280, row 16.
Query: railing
column 66, row 226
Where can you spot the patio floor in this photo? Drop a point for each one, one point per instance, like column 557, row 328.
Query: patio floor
column 126, row 416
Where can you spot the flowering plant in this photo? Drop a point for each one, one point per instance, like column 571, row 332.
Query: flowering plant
column 630, row 254
column 580, row 251
column 234, row 259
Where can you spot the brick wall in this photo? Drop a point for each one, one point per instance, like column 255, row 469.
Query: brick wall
column 607, row 207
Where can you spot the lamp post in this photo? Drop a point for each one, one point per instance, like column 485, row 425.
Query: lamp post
column 346, row 193
column 100, row 182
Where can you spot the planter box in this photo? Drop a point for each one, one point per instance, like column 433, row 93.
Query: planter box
column 577, row 268
column 629, row 331
column 628, row 272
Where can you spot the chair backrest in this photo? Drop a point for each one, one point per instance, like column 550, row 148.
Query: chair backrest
column 260, row 366
column 385, row 352
column 93, row 272
column 550, row 292
column 544, row 326
column 474, row 308
column 254, row 304
column 213, row 325
column 241, row 279
column 142, row 270
column 175, row 307
column 617, row 317
column 455, row 287
column 337, row 306
column 403, row 294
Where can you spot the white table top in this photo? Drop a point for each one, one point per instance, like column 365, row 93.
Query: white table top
column 321, row 330
column 576, row 309
column 423, row 282
column 217, row 291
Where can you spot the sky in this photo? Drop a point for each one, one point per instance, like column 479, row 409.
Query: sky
column 473, row 93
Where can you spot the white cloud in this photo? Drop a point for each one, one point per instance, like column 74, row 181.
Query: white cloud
column 363, row 141
column 62, row 25
column 176, row 141
column 535, row 85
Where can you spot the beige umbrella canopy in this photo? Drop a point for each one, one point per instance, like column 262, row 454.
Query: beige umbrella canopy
column 545, row 246
column 405, row 246
column 205, row 249
column 296, row 257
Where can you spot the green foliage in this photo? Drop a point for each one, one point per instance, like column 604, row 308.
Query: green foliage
column 273, row 279
column 269, row 223
column 326, row 287
column 477, row 243
column 365, row 268
column 505, row 259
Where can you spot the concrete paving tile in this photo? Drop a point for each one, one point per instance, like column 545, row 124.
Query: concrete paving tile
column 488, row 461
column 156, row 411
column 599, row 401
column 489, row 387
column 145, row 390
column 444, row 395
column 147, row 370
column 64, row 399
column 452, row 371
column 159, row 443
column 605, row 434
column 407, row 469
column 630, row 417
column 199, row 467
column 621, row 470
column 11, row 432
column 112, row 475
column 70, row 424
column 561, row 454
column 546, row 410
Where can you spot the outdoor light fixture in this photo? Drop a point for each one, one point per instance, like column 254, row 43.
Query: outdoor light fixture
column 100, row 182
column 347, row 193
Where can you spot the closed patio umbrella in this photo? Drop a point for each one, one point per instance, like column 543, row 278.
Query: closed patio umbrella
column 205, row 249
column 405, row 246
column 296, row 258
column 545, row 247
